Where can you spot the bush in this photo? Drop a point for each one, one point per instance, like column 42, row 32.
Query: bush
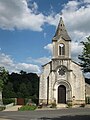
column 34, row 99
column 69, row 105
column 8, row 100
column 2, row 108
column 27, row 108
column 31, row 99
column 53, row 105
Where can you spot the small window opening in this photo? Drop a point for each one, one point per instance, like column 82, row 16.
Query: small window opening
column 61, row 49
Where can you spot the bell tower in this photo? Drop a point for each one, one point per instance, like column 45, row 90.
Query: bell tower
column 61, row 42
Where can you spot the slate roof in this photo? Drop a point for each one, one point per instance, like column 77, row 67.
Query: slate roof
column 61, row 31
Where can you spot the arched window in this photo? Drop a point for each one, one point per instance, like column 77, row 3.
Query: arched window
column 61, row 49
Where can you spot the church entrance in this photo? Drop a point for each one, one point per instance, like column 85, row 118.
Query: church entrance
column 61, row 94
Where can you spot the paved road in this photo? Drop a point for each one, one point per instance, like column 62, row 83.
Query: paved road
column 60, row 114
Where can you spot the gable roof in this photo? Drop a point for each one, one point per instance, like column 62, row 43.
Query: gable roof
column 47, row 63
column 76, row 63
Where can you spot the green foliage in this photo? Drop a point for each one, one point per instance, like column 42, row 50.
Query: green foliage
column 8, row 91
column 8, row 101
column 2, row 108
column 69, row 105
column 23, row 85
column 85, row 57
column 26, row 100
column 27, row 108
column 3, row 77
column 1, row 85
column 34, row 99
column 24, row 90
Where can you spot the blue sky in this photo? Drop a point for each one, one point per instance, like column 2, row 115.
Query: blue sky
column 28, row 26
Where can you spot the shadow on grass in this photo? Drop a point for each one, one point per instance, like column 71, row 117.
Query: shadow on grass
column 76, row 117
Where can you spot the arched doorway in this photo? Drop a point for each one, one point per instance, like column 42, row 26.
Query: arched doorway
column 61, row 94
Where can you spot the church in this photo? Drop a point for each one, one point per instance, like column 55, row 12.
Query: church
column 62, row 81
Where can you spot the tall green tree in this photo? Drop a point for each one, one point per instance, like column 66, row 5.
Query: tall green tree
column 24, row 90
column 3, row 77
column 85, row 57
column 1, row 85
column 8, row 91
column 21, row 85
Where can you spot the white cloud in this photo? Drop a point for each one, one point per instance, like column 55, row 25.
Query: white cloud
column 77, row 36
column 41, row 61
column 53, row 19
column 27, row 67
column 7, row 62
column 23, row 14
column 16, row 14
column 10, row 65
column 86, row 1
column 77, row 19
column 34, row 7
column 76, row 49
column 71, row 5
column 49, row 47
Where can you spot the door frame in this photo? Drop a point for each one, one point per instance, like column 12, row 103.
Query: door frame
column 68, row 90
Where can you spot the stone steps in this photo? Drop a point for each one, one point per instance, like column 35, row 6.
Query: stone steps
column 61, row 105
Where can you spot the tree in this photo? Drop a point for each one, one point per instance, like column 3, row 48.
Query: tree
column 8, row 91
column 22, row 72
column 1, row 85
column 85, row 57
column 3, row 77
column 21, row 85
column 23, row 90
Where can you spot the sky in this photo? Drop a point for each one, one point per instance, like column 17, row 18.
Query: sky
column 28, row 26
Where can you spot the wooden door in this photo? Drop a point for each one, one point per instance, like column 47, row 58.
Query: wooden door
column 61, row 94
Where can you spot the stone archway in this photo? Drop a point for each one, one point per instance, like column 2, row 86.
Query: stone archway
column 62, row 94
column 65, row 85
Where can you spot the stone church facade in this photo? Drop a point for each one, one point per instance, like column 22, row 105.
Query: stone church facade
column 62, row 80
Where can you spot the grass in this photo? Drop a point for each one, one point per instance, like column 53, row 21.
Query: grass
column 27, row 108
